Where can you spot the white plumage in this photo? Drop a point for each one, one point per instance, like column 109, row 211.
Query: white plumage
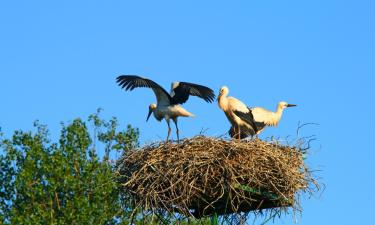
column 230, row 106
column 263, row 117
column 168, row 105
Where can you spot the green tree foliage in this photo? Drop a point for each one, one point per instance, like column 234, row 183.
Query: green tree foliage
column 43, row 182
column 67, row 181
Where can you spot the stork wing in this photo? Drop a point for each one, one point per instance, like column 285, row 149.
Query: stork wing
column 129, row 82
column 248, row 118
column 245, row 132
column 264, row 117
column 182, row 90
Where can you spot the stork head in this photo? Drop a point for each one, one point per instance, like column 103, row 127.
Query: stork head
column 283, row 105
column 151, row 108
column 223, row 91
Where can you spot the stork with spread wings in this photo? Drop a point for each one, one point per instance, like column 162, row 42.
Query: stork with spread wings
column 168, row 105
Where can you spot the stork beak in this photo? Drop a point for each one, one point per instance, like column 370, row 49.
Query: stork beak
column 291, row 105
column 149, row 114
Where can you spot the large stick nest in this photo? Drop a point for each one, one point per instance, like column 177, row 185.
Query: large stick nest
column 205, row 176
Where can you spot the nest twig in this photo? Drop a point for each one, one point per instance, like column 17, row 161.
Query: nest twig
column 205, row 176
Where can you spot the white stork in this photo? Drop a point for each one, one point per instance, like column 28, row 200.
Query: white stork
column 262, row 117
column 231, row 105
column 168, row 105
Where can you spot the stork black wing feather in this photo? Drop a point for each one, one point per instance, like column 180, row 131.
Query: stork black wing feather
column 184, row 89
column 129, row 82
column 248, row 118
column 245, row 132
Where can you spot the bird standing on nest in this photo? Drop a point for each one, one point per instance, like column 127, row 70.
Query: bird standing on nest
column 168, row 105
column 230, row 105
column 262, row 117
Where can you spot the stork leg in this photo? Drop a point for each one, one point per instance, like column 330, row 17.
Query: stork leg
column 256, row 135
column 239, row 133
column 169, row 130
column 177, row 130
column 235, row 132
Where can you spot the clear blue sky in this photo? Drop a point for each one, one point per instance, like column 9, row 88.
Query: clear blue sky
column 59, row 60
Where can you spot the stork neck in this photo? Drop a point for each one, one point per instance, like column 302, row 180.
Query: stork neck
column 223, row 102
column 279, row 113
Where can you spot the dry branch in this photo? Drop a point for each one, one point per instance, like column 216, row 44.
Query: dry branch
column 204, row 176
